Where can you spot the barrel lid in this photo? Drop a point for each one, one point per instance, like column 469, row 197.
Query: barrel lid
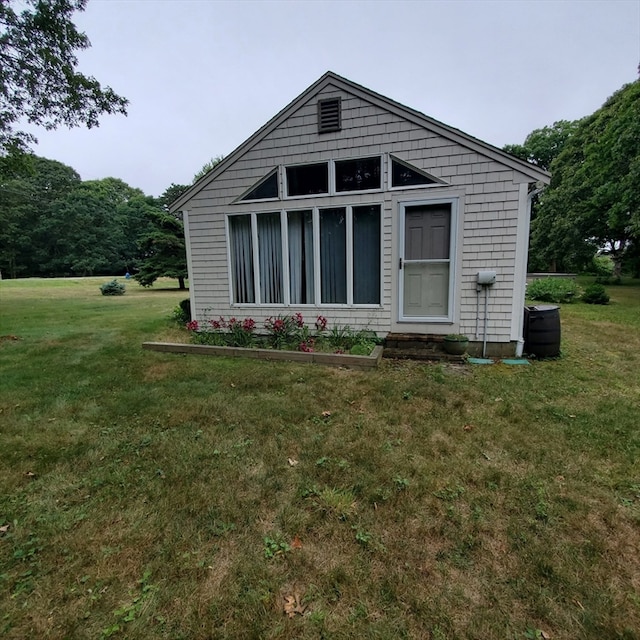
column 543, row 307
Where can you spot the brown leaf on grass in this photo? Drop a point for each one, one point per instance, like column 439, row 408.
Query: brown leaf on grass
column 292, row 462
column 326, row 414
column 468, row 427
column 292, row 605
column 296, row 543
column 30, row 474
column 544, row 635
column 4, row 528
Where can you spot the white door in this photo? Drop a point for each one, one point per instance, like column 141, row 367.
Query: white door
column 425, row 261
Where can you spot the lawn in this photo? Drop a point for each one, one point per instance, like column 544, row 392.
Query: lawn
column 151, row 495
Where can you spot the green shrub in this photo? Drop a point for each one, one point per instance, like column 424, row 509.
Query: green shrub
column 595, row 294
column 113, row 288
column 553, row 290
column 182, row 313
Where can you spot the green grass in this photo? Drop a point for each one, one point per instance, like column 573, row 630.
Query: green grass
column 151, row 495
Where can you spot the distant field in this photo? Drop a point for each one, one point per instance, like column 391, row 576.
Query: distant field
column 149, row 495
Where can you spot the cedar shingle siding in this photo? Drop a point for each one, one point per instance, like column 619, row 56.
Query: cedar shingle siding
column 492, row 222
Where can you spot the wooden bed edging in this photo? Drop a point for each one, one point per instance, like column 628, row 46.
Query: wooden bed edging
column 331, row 359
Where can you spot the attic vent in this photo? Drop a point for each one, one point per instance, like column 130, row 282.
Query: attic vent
column 329, row 115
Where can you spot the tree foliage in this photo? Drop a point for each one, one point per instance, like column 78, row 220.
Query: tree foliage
column 53, row 224
column 542, row 146
column 39, row 80
column 163, row 250
column 207, row 166
column 593, row 202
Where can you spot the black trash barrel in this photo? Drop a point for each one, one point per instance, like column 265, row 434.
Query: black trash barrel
column 542, row 331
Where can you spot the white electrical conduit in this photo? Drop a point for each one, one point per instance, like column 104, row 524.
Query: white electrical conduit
column 484, row 333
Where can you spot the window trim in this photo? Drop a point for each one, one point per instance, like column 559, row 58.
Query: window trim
column 317, row 304
column 332, row 178
column 454, row 201
column 437, row 182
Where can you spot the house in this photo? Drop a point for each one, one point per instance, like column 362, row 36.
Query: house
column 349, row 205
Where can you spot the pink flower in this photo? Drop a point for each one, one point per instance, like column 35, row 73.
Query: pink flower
column 321, row 323
column 217, row 324
column 248, row 324
column 193, row 325
column 298, row 319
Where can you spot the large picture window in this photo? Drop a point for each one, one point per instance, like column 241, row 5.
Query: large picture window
column 326, row 255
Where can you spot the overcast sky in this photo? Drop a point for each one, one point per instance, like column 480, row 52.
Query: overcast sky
column 202, row 75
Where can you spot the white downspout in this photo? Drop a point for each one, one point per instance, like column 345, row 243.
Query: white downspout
column 530, row 196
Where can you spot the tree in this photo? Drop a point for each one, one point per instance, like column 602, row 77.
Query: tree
column 38, row 77
column 542, row 146
column 28, row 195
column 163, row 250
column 593, row 203
column 171, row 194
column 207, row 166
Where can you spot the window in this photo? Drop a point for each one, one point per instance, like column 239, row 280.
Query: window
column 329, row 115
column 403, row 175
column 366, row 251
column 266, row 188
column 301, row 262
column 270, row 258
column 241, row 258
column 326, row 255
column 307, row 179
column 333, row 255
column 358, row 175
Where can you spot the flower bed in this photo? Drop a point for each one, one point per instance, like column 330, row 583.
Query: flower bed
column 283, row 338
column 283, row 333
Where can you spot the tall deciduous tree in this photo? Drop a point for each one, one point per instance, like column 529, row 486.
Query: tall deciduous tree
column 593, row 202
column 39, row 80
column 542, row 146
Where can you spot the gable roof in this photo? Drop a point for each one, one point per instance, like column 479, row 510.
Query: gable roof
column 333, row 79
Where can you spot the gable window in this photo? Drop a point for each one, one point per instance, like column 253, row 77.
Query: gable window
column 329, row 115
column 265, row 189
column 403, row 175
column 307, row 179
column 313, row 256
column 358, row 175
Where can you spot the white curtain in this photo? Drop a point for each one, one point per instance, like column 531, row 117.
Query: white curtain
column 241, row 258
column 270, row 258
column 300, row 233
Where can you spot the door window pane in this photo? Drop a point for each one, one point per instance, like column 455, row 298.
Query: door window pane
column 426, row 290
column 333, row 255
column 366, row 255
